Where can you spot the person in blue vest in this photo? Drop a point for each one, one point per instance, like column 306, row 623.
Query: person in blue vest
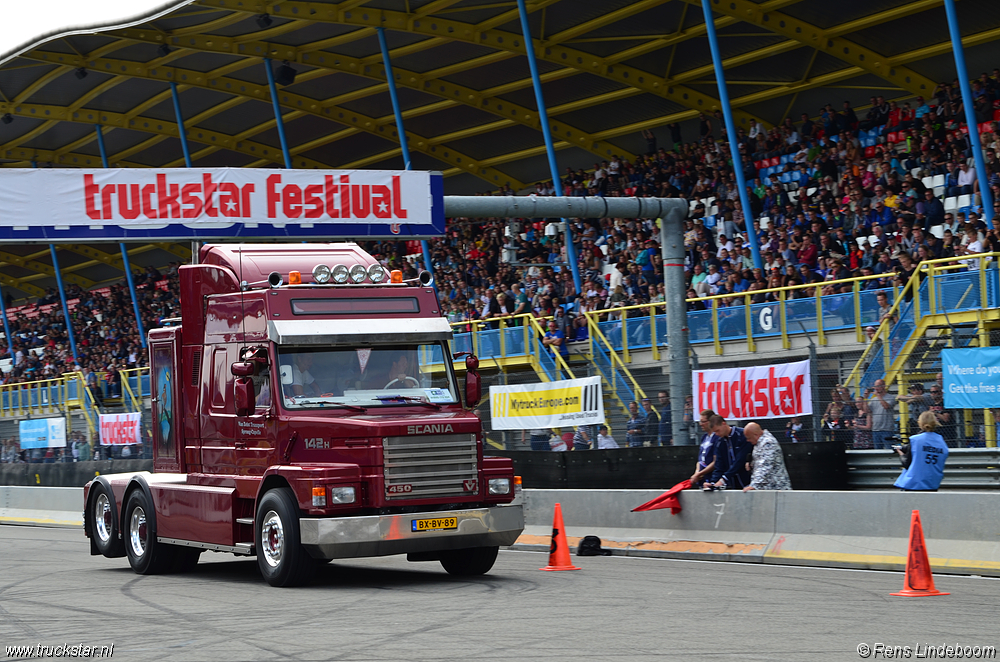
column 923, row 462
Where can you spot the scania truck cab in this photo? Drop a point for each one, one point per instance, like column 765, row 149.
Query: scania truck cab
column 306, row 409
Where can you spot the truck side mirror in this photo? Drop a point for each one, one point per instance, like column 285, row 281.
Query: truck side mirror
column 243, row 395
column 244, row 369
column 473, row 382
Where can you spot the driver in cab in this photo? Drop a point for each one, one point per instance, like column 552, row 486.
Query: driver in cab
column 399, row 373
column 303, row 383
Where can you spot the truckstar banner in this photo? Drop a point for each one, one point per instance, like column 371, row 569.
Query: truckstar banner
column 761, row 392
column 552, row 405
column 200, row 202
column 971, row 377
column 121, row 429
column 43, row 433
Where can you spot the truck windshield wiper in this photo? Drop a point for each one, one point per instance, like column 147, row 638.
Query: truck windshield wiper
column 325, row 405
column 409, row 399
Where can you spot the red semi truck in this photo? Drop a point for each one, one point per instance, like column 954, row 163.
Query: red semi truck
column 306, row 409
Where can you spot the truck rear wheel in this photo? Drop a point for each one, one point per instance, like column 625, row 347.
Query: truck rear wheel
column 280, row 556
column 468, row 562
column 103, row 522
column 145, row 554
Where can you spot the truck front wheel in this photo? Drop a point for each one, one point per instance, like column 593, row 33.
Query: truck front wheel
column 145, row 554
column 280, row 556
column 468, row 562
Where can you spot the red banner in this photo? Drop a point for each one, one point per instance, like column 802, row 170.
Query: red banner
column 121, row 429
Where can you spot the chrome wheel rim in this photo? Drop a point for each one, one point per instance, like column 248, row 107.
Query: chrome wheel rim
column 272, row 539
column 137, row 532
column 102, row 518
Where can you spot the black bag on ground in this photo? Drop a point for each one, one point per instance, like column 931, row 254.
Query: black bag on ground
column 591, row 546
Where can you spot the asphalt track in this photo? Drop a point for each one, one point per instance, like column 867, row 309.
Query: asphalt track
column 617, row 608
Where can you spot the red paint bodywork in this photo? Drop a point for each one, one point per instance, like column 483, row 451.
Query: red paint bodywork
column 215, row 472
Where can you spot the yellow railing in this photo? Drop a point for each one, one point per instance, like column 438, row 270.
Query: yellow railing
column 595, row 333
column 539, row 347
column 135, row 399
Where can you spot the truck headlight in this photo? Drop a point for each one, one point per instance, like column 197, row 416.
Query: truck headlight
column 499, row 486
column 342, row 495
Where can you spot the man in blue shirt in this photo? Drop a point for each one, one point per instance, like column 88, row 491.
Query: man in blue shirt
column 636, row 426
column 731, row 452
column 555, row 340
column 666, row 430
column 706, row 451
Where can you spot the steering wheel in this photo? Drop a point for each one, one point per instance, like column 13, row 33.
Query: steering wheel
column 404, row 381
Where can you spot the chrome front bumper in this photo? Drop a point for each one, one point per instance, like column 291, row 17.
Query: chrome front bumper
column 382, row 535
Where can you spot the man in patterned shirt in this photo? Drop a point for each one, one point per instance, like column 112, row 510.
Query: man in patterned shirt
column 768, row 461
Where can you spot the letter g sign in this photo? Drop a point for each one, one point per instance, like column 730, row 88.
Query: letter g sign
column 766, row 318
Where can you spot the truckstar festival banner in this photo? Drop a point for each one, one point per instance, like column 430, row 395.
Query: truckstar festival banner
column 760, row 392
column 971, row 377
column 552, row 405
column 121, row 429
column 43, row 433
column 196, row 201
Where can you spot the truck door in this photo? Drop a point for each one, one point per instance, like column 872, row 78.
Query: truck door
column 168, row 437
column 255, row 442
column 218, row 412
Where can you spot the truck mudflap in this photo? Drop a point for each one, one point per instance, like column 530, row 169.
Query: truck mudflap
column 383, row 535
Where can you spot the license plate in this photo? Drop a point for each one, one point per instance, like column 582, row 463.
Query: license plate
column 435, row 524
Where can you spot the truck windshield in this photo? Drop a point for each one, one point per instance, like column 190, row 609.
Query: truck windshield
column 375, row 376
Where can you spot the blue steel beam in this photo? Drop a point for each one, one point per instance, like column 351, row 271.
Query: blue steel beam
column 180, row 125
column 734, row 148
column 277, row 113
column 62, row 298
column 121, row 245
column 404, row 147
column 543, row 118
column 970, row 111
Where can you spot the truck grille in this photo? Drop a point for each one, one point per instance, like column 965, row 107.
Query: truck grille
column 430, row 466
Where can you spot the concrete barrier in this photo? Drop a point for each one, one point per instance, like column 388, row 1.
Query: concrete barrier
column 41, row 506
column 867, row 530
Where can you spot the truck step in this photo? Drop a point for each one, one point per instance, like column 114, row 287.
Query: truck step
column 245, row 520
column 244, row 548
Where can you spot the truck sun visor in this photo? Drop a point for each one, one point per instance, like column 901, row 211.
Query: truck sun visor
column 358, row 331
column 352, row 306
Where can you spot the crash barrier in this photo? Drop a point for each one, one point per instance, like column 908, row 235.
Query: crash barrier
column 811, row 466
column 66, row 474
column 867, row 530
column 966, row 469
column 41, row 506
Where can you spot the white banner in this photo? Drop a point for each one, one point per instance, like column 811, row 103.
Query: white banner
column 208, row 197
column 120, row 429
column 770, row 391
column 552, row 405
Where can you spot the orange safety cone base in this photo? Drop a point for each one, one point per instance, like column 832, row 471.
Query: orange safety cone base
column 559, row 551
column 911, row 593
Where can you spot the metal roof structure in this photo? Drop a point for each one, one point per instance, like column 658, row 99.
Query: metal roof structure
column 609, row 69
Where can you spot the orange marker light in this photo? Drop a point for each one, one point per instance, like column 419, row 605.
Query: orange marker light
column 294, row 278
column 319, row 494
column 396, row 276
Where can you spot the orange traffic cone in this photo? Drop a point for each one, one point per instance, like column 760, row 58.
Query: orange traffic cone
column 919, row 581
column 559, row 551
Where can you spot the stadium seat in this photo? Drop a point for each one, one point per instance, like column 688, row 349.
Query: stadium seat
column 928, row 182
column 939, row 191
column 939, row 180
column 713, row 211
column 951, row 204
column 892, row 138
column 916, row 172
column 996, row 115
column 709, row 222
column 765, row 222
column 811, row 191
column 869, row 152
column 938, row 231
column 793, row 195
column 964, row 201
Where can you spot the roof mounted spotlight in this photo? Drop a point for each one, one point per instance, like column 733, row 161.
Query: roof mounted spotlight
column 163, row 50
column 285, row 75
column 321, row 274
column 7, row 118
column 376, row 273
column 339, row 274
column 81, row 73
column 264, row 21
column 358, row 273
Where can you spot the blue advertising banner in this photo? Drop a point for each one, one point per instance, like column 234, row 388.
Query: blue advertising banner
column 971, row 377
column 43, row 433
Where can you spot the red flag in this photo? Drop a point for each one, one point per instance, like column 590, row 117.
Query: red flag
column 666, row 500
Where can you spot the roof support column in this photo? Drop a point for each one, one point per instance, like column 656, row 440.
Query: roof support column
column 404, row 147
column 970, row 111
column 734, row 147
column 121, row 244
column 180, row 125
column 543, row 119
column 277, row 113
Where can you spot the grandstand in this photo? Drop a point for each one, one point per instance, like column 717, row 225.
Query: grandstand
column 857, row 158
